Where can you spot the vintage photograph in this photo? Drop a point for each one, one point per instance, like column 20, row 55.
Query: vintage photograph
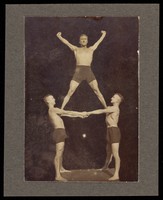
column 81, row 98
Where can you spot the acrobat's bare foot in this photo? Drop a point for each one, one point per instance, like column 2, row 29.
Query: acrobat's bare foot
column 105, row 167
column 114, row 178
column 62, row 170
column 101, row 169
column 60, row 178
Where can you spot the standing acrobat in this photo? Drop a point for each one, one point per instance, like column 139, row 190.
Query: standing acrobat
column 59, row 134
column 84, row 56
column 113, row 132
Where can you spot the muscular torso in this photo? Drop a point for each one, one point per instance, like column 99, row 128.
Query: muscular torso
column 112, row 119
column 83, row 56
column 55, row 119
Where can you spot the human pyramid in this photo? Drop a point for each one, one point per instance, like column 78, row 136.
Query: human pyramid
column 84, row 56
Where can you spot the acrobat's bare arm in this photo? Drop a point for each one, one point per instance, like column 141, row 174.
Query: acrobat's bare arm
column 68, row 113
column 66, row 42
column 99, row 41
column 73, row 114
column 109, row 109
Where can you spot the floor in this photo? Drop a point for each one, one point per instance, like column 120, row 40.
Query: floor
column 88, row 175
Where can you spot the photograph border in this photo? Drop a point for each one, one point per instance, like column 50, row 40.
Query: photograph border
column 14, row 138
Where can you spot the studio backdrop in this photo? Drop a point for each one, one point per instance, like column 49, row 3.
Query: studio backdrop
column 49, row 67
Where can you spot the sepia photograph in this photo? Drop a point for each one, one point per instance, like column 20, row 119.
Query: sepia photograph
column 81, row 98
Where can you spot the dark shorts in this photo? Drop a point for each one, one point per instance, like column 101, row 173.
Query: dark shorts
column 59, row 135
column 113, row 135
column 83, row 73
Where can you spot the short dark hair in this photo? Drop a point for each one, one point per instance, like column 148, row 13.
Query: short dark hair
column 46, row 97
column 83, row 35
column 121, row 97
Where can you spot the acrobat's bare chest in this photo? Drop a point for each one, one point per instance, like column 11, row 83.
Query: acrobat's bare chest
column 84, row 52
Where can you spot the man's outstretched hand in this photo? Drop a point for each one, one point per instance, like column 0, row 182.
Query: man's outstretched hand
column 84, row 114
column 103, row 32
column 59, row 34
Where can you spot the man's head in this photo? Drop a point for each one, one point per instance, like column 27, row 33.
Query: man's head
column 117, row 98
column 49, row 99
column 83, row 40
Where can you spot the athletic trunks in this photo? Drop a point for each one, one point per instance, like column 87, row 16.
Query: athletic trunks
column 59, row 135
column 83, row 72
column 113, row 135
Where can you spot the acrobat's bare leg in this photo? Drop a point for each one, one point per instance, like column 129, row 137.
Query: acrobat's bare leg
column 62, row 169
column 94, row 85
column 107, row 162
column 58, row 160
column 109, row 156
column 115, row 150
column 72, row 88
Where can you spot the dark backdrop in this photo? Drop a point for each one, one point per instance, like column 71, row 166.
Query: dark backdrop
column 49, row 68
